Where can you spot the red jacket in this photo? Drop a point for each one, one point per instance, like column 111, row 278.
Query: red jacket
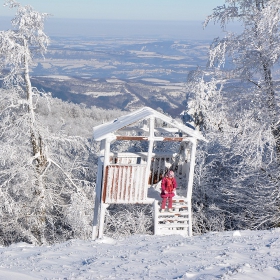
column 168, row 185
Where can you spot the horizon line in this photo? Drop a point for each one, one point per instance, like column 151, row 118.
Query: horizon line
column 106, row 19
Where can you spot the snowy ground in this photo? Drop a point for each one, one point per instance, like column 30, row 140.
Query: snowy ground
column 228, row 255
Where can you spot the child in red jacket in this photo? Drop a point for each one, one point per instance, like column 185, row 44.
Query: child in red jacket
column 168, row 186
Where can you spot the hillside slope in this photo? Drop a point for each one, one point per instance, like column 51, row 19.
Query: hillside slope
column 227, row 255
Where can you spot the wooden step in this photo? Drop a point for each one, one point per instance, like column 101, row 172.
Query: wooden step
column 177, row 209
column 173, row 225
column 181, row 201
column 175, row 222
column 177, row 202
column 181, row 219
column 174, row 213
column 174, row 205
column 180, row 207
column 177, row 205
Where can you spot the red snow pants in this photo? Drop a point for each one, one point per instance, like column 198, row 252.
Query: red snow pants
column 163, row 203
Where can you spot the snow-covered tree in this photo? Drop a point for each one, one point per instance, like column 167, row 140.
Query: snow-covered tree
column 253, row 52
column 234, row 103
column 62, row 209
column 233, row 186
column 46, row 185
column 206, row 104
column 17, row 49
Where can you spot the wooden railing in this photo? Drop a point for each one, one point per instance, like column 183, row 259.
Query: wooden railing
column 125, row 183
column 159, row 165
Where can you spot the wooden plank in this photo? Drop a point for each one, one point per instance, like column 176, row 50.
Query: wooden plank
column 128, row 185
column 142, row 184
column 144, row 187
column 108, row 183
column 105, row 185
column 132, row 189
column 113, row 186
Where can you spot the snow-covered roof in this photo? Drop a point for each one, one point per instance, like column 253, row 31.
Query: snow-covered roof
column 102, row 131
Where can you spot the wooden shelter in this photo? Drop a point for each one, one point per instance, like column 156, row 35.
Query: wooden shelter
column 134, row 177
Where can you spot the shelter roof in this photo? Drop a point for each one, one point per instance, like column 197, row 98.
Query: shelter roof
column 104, row 130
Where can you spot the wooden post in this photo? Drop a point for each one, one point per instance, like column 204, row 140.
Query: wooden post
column 102, row 219
column 102, row 148
column 103, row 206
column 98, row 189
column 155, row 204
column 149, row 161
column 190, row 183
column 150, row 150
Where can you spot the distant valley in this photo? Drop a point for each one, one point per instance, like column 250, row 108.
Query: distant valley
column 119, row 73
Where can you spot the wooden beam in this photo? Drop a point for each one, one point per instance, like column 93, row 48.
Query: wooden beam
column 146, row 138
column 174, row 139
column 138, row 138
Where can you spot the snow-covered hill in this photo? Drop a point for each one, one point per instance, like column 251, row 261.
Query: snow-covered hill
column 228, row 255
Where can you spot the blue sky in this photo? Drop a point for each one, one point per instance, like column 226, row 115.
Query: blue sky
column 122, row 9
column 175, row 19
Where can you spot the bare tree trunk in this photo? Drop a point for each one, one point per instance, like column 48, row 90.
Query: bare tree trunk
column 37, row 143
column 39, row 157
